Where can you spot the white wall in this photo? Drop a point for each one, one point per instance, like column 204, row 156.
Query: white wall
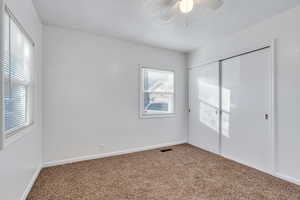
column 20, row 160
column 91, row 86
column 285, row 27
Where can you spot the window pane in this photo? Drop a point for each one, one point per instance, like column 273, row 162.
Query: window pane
column 158, row 103
column 158, row 81
column 15, row 107
column 6, row 45
column 16, row 53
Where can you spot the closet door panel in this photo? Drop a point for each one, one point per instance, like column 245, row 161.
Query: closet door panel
column 204, row 107
column 245, row 102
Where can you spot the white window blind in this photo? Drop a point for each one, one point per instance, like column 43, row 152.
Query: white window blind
column 157, row 93
column 17, row 79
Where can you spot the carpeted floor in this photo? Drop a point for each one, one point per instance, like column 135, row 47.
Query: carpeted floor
column 186, row 173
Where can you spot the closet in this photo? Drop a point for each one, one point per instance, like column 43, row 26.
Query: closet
column 230, row 108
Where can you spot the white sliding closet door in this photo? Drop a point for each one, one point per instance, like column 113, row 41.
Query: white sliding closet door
column 246, row 136
column 204, row 107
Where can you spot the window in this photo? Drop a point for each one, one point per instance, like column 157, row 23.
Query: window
column 16, row 76
column 157, row 93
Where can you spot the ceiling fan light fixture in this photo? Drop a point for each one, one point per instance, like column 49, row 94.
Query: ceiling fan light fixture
column 186, row 6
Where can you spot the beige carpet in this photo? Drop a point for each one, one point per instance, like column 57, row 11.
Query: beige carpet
column 186, row 173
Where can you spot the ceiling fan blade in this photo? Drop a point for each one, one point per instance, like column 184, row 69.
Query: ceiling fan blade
column 165, row 10
column 168, row 13
column 214, row 4
column 173, row 3
column 211, row 4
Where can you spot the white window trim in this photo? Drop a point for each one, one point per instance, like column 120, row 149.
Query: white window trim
column 9, row 137
column 16, row 134
column 141, row 94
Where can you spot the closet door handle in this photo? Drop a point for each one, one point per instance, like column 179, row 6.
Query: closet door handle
column 267, row 116
column 218, row 112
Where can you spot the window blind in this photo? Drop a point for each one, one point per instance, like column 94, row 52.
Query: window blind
column 17, row 64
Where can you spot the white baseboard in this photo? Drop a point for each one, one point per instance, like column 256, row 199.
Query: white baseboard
column 288, row 178
column 275, row 174
column 31, row 182
column 104, row 155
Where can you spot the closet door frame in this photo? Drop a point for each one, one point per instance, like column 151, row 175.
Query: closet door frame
column 272, row 94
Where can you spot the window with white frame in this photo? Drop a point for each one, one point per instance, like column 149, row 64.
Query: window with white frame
column 157, row 93
column 16, row 76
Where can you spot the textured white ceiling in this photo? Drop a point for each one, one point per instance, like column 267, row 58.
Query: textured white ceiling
column 131, row 20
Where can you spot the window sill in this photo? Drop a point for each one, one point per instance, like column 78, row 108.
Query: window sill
column 15, row 135
column 157, row 116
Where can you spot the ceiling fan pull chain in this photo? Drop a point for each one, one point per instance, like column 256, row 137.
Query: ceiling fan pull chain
column 186, row 21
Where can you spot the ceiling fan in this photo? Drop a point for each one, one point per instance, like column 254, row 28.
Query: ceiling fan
column 166, row 10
